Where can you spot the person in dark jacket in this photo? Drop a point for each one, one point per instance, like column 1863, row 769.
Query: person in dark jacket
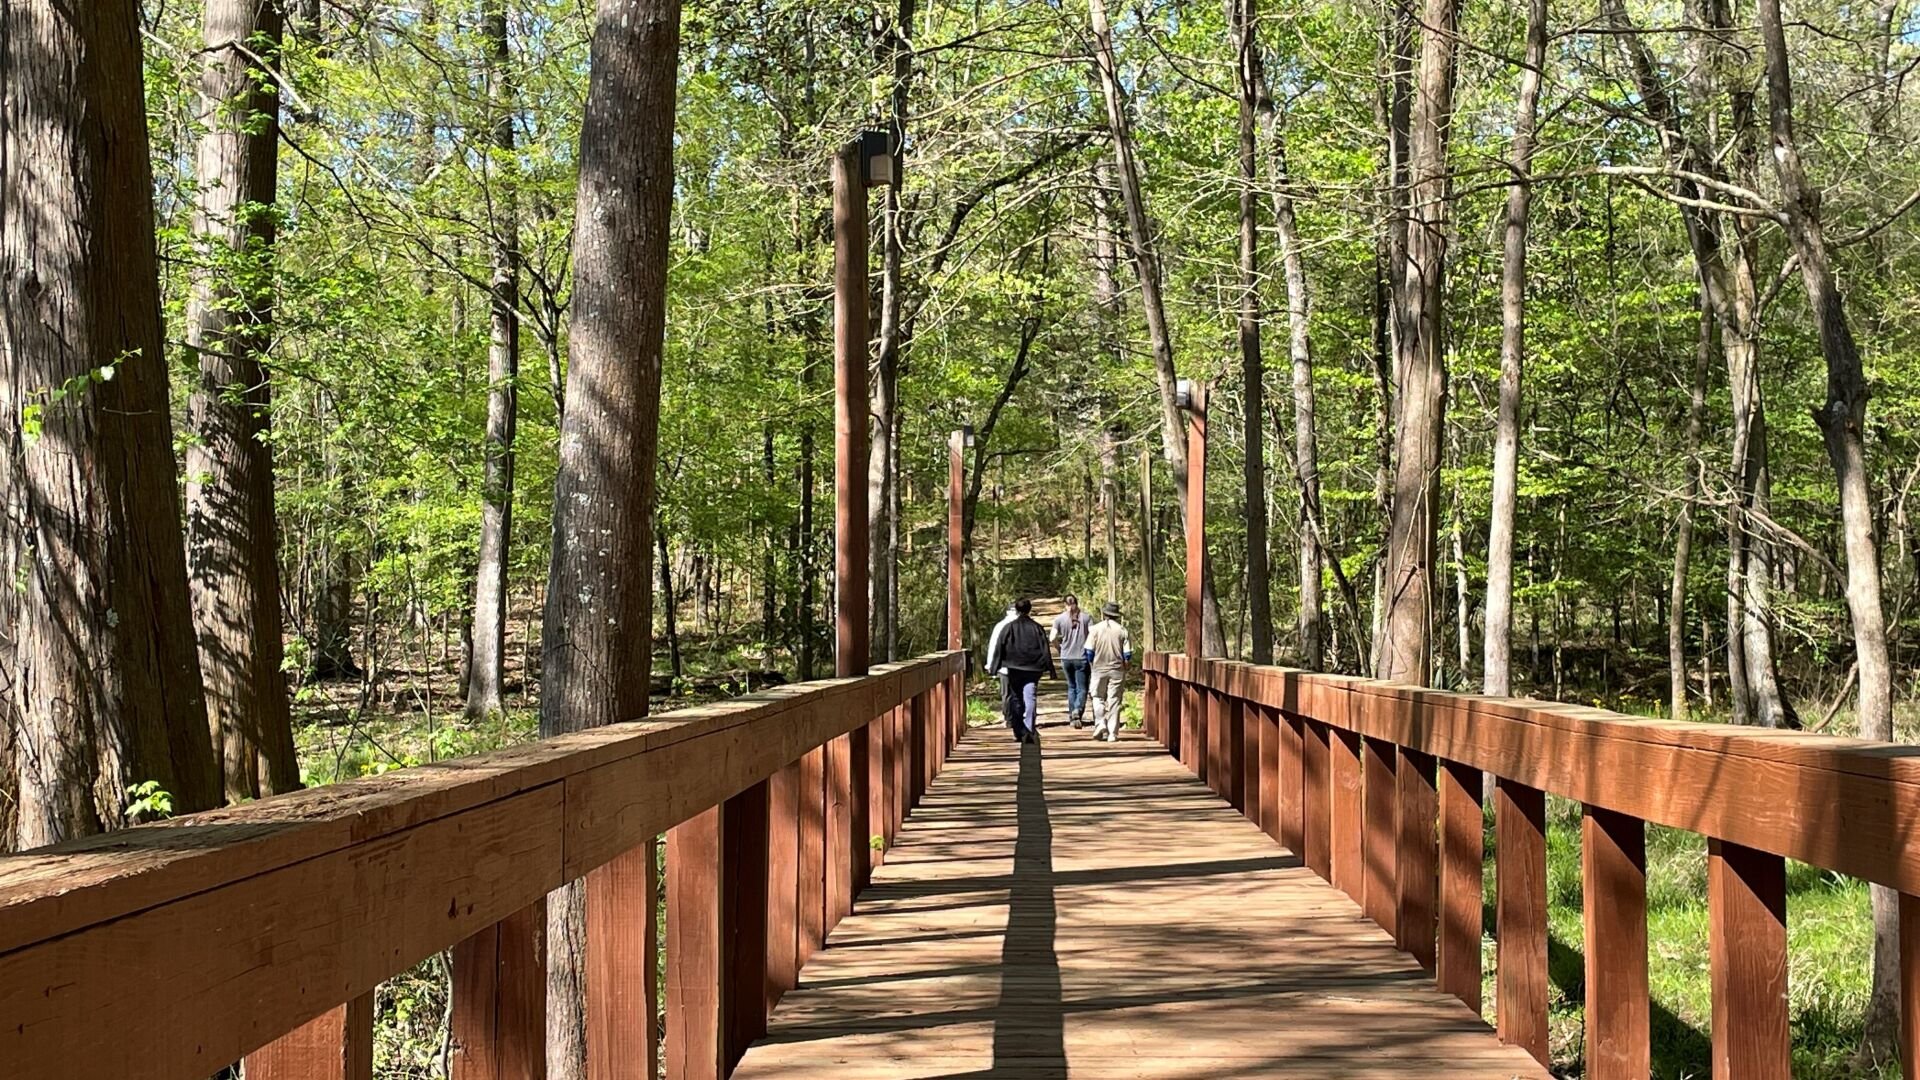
column 1023, row 655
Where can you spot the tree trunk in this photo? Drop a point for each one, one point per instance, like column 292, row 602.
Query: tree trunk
column 599, row 597
column 98, row 659
column 669, row 603
column 233, row 567
column 1252, row 366
column 1148, row 616
column 769, row 567
column 1842, row 422
column 1406, row 654
column 486, row 658
column 1497, row 636
column 1683, row 533
column 1147, row 267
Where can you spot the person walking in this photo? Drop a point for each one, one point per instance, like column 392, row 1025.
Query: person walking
column 1109, row 651
column 994, row 666
column 1019, row 649
column 1070, row 634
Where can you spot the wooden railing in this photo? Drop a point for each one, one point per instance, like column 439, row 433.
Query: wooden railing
column 261, row 931
column 1378, row 788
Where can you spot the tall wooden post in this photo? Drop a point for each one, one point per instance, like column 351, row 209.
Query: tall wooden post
column 846, row 756
column 1196, row 512
column 956, row 531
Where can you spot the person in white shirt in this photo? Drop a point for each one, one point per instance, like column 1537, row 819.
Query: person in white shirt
column 1109, row 651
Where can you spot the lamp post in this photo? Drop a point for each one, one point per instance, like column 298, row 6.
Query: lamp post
column 868, row 161
column 1191, row 397
column 957, row 446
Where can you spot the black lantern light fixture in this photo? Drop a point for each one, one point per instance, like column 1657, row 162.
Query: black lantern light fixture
column 879, row 159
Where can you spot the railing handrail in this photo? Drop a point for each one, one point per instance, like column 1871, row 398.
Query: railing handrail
column 1842, row 804
column 206, row 936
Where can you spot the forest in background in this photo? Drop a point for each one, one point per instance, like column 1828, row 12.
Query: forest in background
column 1533, row 332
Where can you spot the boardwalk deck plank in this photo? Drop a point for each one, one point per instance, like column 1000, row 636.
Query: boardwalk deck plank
column 1092, row 910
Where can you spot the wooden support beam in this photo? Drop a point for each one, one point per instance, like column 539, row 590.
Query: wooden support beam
column 1462, row 877
column 812, row 890
column 744, row 914
column 839, row 894
column 1293, row 780
column 1267, row 742
column 336, row 1045
column 1345, row 823
column 1747, row 961
column 1910, row 982
column 956, row 532
column 1520, row 890
column 622, row 910
column 1232, row 752
column 783, row 883
column 851, row 344
column 1193, row 729
column 1417, row 869
column 1613, row 876
column 859, row 819
column 697, row 972
column 1317, row 789
column 1380, row 834
column 498, row 1019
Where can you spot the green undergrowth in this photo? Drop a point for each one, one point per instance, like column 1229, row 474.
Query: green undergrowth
column 1829, row 942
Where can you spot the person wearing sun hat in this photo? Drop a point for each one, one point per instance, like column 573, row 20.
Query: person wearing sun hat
column 1109, row 651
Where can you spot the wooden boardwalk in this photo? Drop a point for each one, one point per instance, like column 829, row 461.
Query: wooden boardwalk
column 1090, row 910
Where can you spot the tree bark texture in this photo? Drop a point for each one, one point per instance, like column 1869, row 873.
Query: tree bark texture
column 1497, row 638
column 882, row 478
column 1842, row 422
column 486, row 660
column 1683, row 530
column 596, row 659
column 233, row 566
column 1147, row 266
column 1252, row 366
column 99, row 673
column 1406, row 654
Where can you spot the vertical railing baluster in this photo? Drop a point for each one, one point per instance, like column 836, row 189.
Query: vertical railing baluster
column 697, row 972
column 1345, row 827
column 336, row 1045
column 875, row 838
column 1417, row 856
column 1233, row 752
column 744, row 915
column 1910, row 984
column 1747, row 961
column 1520, row 891
column 783, row 883
column 1193, row 730
column 1317, row 788
column 1293, row 804
column 812, row 892
column 498, row 1020
column 1462, row 877
column 1380, row 843
column 1267, row 741
column 840, row 860
column 1613, row 878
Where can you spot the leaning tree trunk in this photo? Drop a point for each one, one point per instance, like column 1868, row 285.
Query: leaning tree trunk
column 97, row 657
column 486, row 658
column 1842, row 421
column 1252, row 366
column 1406, row 655
column 596, row 665
column 1147, row 267
column 233, row 565
column 1497, row 639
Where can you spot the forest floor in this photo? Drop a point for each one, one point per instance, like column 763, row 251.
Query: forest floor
column 411, row 713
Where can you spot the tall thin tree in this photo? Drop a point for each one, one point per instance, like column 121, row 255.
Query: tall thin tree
column 233, row 561
column 1253, row 372
column 486, row 657
column 1496, row 675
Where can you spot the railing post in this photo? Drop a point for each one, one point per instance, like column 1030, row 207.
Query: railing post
column 812, row 889
column 1417, row 869
column 1380, row 849
column 698, row 979
column 1232, row 754
column 1346, row 826
column 1462, row 876
column 498, row 1022
column 1613, row 876
column 859, row 818
column 899, row 761
column 1747, row 961
column 879, row 809
column 1520, row 889
column 1265, row 725
column 1910, row 983
column 1317, row 787
column 1193, row 729
column 336, row 1045
column 622, row 906
column 1292, row 785
column 745, row 913
column 917, row 755
column 783, row 883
